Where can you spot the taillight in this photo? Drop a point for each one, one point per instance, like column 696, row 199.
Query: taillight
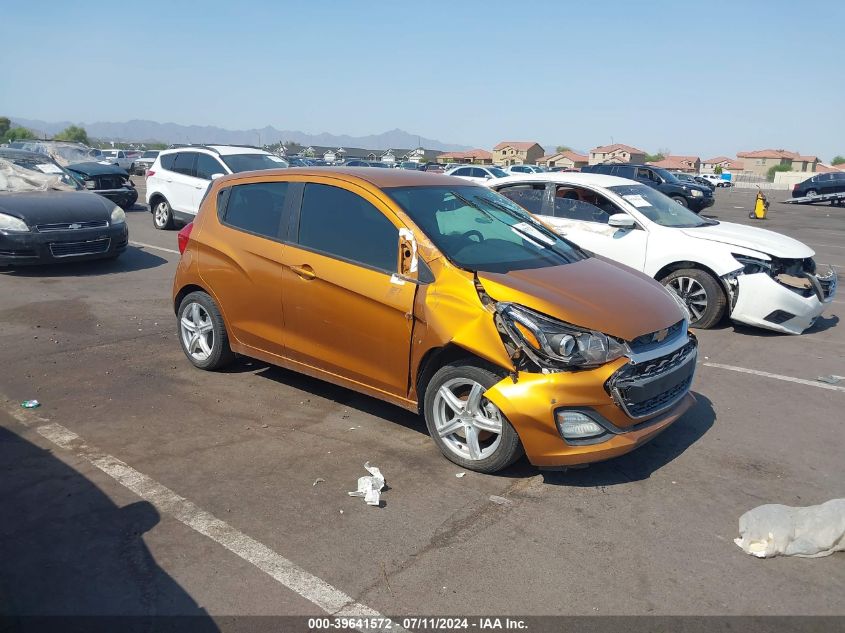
column 795, row 186
column 183, row 237
column 150, row 172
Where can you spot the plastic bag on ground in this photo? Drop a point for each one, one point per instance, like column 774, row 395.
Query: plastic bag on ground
column 777, row 530
column 370, row 487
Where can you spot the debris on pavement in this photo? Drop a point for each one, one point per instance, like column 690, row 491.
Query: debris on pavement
column 370, row 487
column 318, row 480
column 459, row 475
column 831, row 380
column 30, row 404
column 777, row 530
column 502, row 501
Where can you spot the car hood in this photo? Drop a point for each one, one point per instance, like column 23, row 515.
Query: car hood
column 45, row 207
column 97, row 169
column 752, row 238
column 592, row 293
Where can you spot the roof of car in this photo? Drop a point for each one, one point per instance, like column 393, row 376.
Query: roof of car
column 222, row 150
column 381, row 178
column 566, row 177
column 10, row 152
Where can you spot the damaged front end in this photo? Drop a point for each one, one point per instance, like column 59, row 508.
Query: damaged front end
column 784, row 295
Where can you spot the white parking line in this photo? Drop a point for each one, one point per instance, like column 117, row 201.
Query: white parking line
column 765, row 374
column 330, row 599
column 158, row 248
column 829, row 246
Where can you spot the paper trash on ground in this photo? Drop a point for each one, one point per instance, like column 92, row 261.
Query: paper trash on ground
column 370, row 487
column 777, row 530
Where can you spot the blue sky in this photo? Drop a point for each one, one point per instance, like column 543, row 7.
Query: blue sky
column 703, row 78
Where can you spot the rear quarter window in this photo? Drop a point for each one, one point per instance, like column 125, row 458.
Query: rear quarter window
column 167, row 161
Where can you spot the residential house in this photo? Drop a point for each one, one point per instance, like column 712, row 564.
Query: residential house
column 709, row 166
column 517, row 153
column 616, row 153
column 759, row 162
column 567, row 160
column 475, row 156
column 688, row 164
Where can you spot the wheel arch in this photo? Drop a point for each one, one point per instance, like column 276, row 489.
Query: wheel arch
column 185, row 291
column 682, row 264
column 155, row 198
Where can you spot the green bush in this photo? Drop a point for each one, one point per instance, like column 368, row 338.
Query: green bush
column 770, row 175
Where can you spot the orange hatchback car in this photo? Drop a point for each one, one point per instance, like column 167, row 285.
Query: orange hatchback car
column 442, row 297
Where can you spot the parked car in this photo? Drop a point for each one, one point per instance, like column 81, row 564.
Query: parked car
column 434, row 168
column 716, row 180
column 476, row 173
column 408, row 164
column 179, row 178
column 356, row 162
column 693, row 196
column 693, row 179
column 120, row 158
column 108, row 181
column 754, row 276
column 145, row 161
column 295, row 161
column 820, row 184
column 47, row 217
column 441, row 297
column 523, row 169
column 101, row 177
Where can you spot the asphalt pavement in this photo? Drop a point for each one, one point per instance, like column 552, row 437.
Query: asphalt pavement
column 145, row 486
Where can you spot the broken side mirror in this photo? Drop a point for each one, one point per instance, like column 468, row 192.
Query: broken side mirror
column 407, row 254
column 621, row 221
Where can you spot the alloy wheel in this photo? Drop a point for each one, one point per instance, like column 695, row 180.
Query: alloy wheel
column 693, row 294
column 469, row 424
column 197, row 331
column 162, row 214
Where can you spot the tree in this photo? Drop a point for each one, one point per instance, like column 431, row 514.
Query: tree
column 18, row 134
column 717, row 169
column 5, row 124
column 562, row 148
column 654, row 158
column 73, row 133
column 293, row 147
column 838, row 160
column 770, row 175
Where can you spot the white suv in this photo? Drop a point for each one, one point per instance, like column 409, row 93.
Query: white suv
column 179, row 178
column 476, row 173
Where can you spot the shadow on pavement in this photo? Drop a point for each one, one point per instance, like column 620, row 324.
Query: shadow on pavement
column 68, row 550
column 130, row 260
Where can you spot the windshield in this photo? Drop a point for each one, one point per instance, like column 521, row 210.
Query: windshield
column 498, row 173
column 666, row 175
column 658, row 208
column 29, row 173
column 252, row 162
column 480, row 230
column 110, row 153
column 152, row 154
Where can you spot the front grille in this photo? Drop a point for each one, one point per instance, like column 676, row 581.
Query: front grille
column 70, row 226
column 109, row 182
column 648, row 388
column 650, row 340
column 70, row 249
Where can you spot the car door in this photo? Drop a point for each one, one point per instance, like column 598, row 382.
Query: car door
column 838, row 184
column 826, row 184
column 581, row 215
column 180, row 183
column 463, row 172
column 241, row 261
column 345, row 312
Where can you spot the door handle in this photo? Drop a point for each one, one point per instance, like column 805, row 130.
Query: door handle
column 305, row 271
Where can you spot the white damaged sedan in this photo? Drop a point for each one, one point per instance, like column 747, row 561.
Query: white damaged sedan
column 756, row 277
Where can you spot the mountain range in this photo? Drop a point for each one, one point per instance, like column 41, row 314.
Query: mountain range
column 140, row 131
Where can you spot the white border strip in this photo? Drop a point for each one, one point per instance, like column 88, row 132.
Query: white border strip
column 765, row 374
column 330, row 599
column 158, row 248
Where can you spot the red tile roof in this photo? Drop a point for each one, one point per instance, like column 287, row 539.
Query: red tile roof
column 606, row 149
column 677, row 162
column 470, row 153
column 769, row 153
column 807, row 159
column 717, row 160
column 522, row 146
column 575, row 157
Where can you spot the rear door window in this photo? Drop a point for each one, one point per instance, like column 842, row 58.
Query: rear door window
column 207, row 166
column 577, row 203
column 257, row 208
column 184, row 163
column 167, row 161
column 339, row 223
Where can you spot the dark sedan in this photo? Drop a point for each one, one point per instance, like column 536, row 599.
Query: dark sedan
column 109, row 181
column 46, row 216
column 820, row 184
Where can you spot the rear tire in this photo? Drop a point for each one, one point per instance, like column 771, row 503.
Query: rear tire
column 163, row 215
column 681, row 201
column 702, row 293
column 811, row 193
column 453, row 407
column 202, row 332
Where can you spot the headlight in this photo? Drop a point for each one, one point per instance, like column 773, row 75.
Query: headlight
column 557, row 341
column 752, row 265
column 696, row 193
column 118, row 216
column 11, row 223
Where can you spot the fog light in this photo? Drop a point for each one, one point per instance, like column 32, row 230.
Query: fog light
column 573, row 425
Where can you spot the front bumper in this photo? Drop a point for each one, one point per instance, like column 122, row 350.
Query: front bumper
column 530, row 405
column 124, row 198
column 63, row 246
column 699, row 204
column 763, row 302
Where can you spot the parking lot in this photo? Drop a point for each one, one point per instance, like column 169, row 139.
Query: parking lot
column 144, row 486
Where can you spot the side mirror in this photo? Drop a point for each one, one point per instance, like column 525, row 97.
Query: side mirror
column 216, row 176
column 487, row 176
column 621, row 221
column 407, row 254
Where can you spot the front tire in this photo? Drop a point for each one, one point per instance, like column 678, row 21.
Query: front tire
column 163, row 215
column 702, row 294
column 202, row 332
column 468, row 429
column 681, row 201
